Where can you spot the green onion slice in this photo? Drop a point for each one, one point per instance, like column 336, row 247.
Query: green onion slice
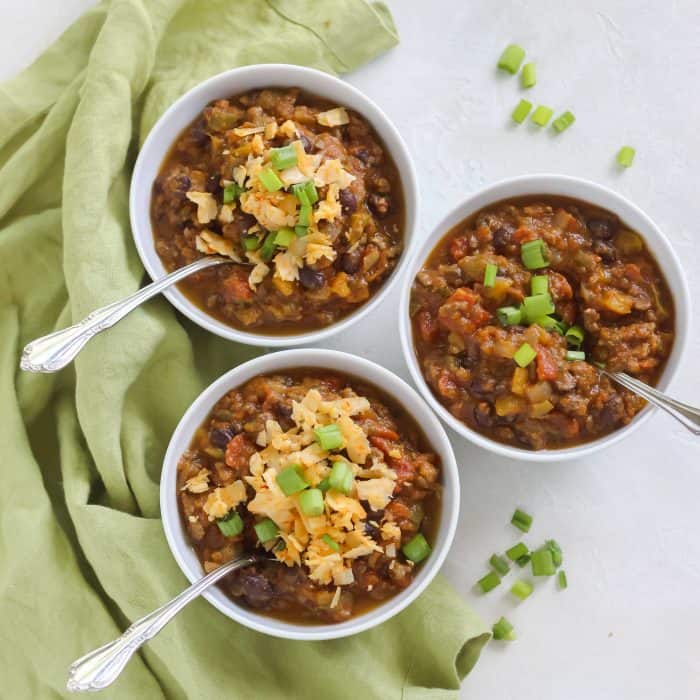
column 311, row 193
column 331, row 543
column 283, row 158
column 534, row 254
column 542, row 115
column 416, row 549
column 489, row 582
column 511, row 58
column 542, row 562
column 528, row 77
column 304, row 215
column 490, row 273
column 574, row 336
column 270, row 180
column 284, row 237
column 522, row 589
column 232, row 192
column 555, row 549
column 231, row 525
column 329, row 437
column 499, row 564
column 524, row 355
column 509, row 315
column 291, row 481
column 575, row 355
column 563, row 121
column 301, row 231
column 539, row 284
column 251, row 242
column 266, row 530
column 538, row 305
column 522, row 561
column 521, row 520
column 563, row 582
column 625, row 157
column 311, row 502
column 503, row 631
column 324, row 485
column 521, row 111
column 299, row 191
column 267, row 250
column 341, row 477
column 517, row 551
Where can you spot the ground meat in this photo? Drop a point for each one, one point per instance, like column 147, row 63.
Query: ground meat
column 369, row 227
column 600, row 277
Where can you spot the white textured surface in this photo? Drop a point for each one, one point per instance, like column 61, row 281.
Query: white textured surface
column 627, row 627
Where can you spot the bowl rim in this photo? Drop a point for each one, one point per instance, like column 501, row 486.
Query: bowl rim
column 224, row 84
column 362, row 368
column 566, row 186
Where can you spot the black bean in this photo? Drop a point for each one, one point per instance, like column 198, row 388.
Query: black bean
column 371, row 531
column 350, row 262
column 220, row 437
column 213, row 185
column 606, row 251
column 311, row 279
column 348, row 201
column 362, row 154
column 379, row 204
column 375, row 515
column 501, row 237
column 184, row 183
column 482, row 386
column 257, row 590
column 482, row 415
column 283, row 410
column 602, row 228
column 305, row 143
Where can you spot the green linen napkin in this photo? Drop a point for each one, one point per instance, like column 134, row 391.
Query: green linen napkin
column 82, row 550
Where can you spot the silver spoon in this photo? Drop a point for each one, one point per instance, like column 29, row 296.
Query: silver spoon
column 686, row 415
column 101, row 667
column 53, row 352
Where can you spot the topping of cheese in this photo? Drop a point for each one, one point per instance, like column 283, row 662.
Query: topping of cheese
column 257, row 274
column 243, row 131
column 330, row 207
column 332, row 172
column 223, row 499
column 209, row 243
column 333, row 117
column 199, row 483
column 377, row 492
column 206, row 205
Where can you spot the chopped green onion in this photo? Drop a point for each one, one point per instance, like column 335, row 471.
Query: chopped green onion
column 284, row 157
column 626, row 155
column 574, row 355
column 574, row 336
column 522, row 589
column 563, row 121
column 503, row 631
column 528, row 76
column 524, row 355
column 521, row 111
column 291, row 481
column 340, row 477
column 522, row 561
column 304, row 215
column 521, row 520
column 509, row 315
column 284, row 237
column 299, row 191
column 563, row 582
column 416, row 549
column 542, row 115
column 542, row 562
column 279, row 546
column 331, row 543
column 517, row 551
column 231, row 525
column 311, row 502
column 511, row 58
column 490, row 273
column 599, row 365
column 268, row 247
column 324, row 485
column 329, row 437
column 232, row 192
column 555, row 549
column 534, row 254
column 311, row 193
column 270, row 180
column 549, row 324
column 499, row 564
column 251, row 242
column 266, row 530
column 301, row 231
column 489, row 582
column 538, row 305
column 539, row 284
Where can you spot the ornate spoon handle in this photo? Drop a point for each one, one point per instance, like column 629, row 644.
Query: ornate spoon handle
column 54, row 351
column 101, row 667
column 686, row 415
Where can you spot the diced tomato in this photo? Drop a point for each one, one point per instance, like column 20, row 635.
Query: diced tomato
column 463, row 313
column 236, row 288
column 380, row 443
column 633, row 272
column 403, row 468
column 399, row 510
column 464, row 294
column 238, row 453
column 382, row 431
column 427, row 326
column 459, row 248
column 447, row 386
column 547, row 368
column 523, row 234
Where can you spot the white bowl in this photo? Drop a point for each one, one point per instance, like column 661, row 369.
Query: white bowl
column 234, row 82
column 566, row 186
column 355, row 367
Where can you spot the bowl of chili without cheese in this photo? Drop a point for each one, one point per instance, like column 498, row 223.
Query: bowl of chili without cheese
column 518, row 298
column 298, row 179
column 348, row 491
